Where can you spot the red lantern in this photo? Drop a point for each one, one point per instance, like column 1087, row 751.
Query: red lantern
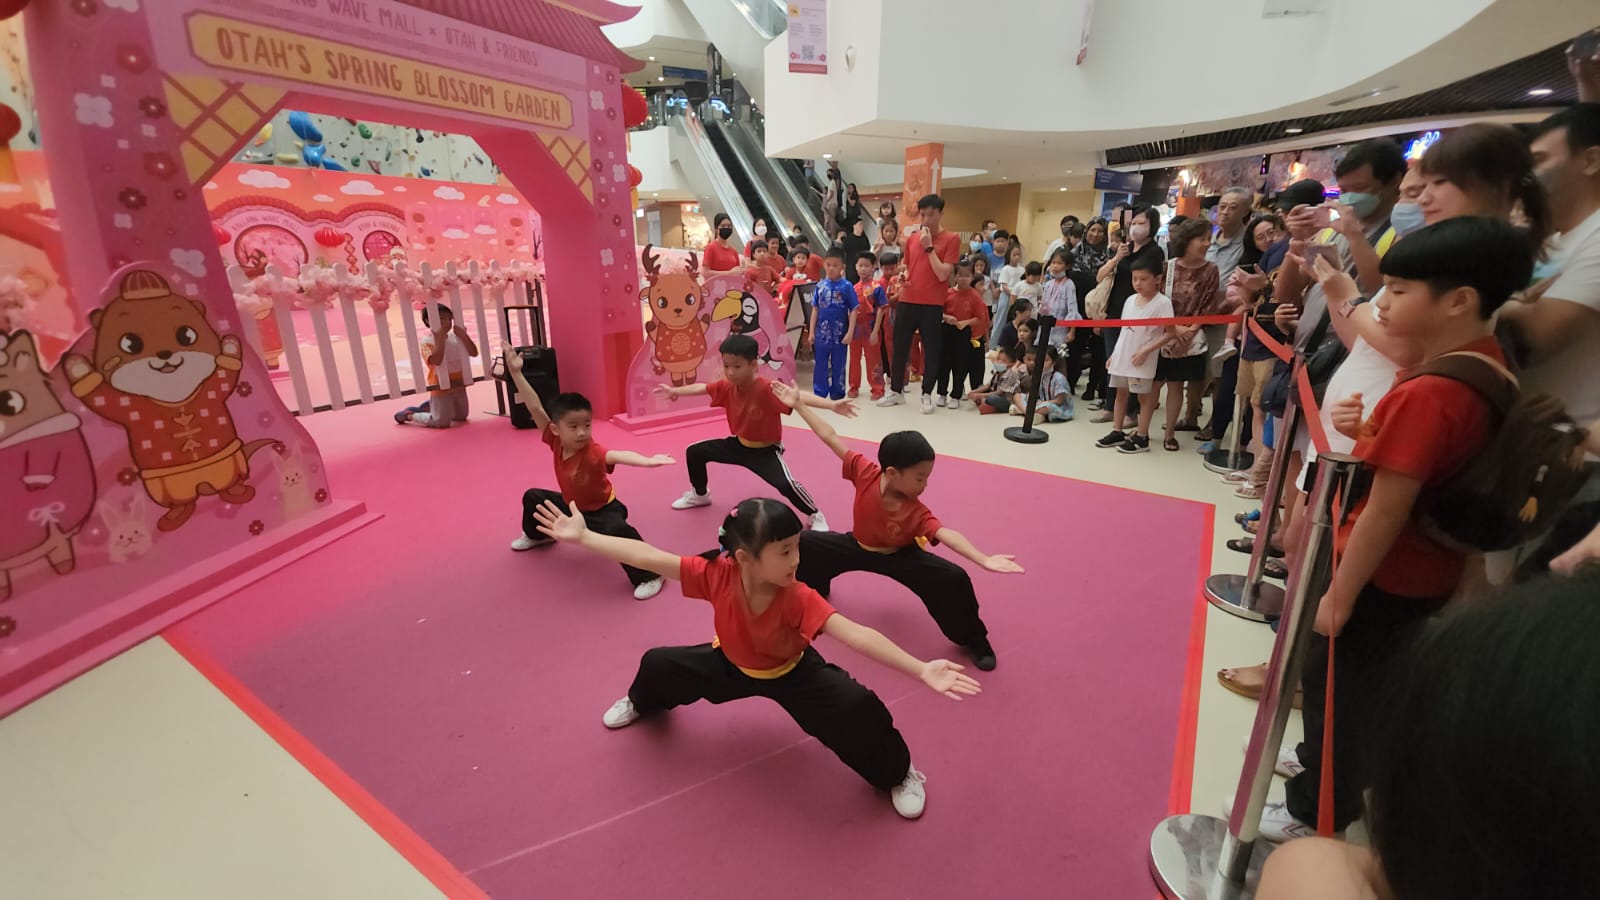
column 329, row 237
column 9, row 8
column 10, row 122
column 221, row 234
column 634, row 108
column 634, row 175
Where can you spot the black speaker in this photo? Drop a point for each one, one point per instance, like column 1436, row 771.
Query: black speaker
column 539, row 366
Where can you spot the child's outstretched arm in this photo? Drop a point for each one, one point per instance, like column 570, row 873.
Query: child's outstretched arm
column 791, row 397
column 637, row 460
column 525, row 392
column 942, row 675
column 568, row 527
column 688, row 390
column 958, row 542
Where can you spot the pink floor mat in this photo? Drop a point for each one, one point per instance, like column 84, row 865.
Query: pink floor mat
column 462, row 684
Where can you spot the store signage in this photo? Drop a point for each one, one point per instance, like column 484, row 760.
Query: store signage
column 1120, row 182
column 808, row 36
column 1419, row 146
column 924, row 174
column 682, row 74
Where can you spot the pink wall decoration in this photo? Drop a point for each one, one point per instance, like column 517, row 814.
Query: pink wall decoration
column 151, row 463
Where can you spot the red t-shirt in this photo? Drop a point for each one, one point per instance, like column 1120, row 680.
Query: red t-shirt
column 582, row 476
column 922, row 285
column 719, row 258
column 775, row 263
column 876, row 526
column 1426, row 428
column 968, row 304
column 762, row 275
column 814, row 268
column 752, row 411
column 766, row 645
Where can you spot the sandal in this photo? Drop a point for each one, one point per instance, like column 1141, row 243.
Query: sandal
column 1170, row 443
column 1248, row 545
column 1187, row 425
column 1250, row 526
column 1248, row 492
column 1204, row 434
column 1244, row 517
column 1274, row 568
column 1250, row 681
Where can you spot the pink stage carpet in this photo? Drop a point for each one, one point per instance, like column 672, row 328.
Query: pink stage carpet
column 462, row 684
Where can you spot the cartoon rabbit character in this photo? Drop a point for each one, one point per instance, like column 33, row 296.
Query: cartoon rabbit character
column 677, row 326
column 127, row 519
column 164, row 374
column 47, row 485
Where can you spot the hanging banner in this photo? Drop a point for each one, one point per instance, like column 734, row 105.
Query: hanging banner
column 808, row 36
column 924, row 173
column 714, row 69
column 1083, row 36
column 1118, row 182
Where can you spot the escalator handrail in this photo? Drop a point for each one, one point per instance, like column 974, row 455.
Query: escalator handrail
column 721, row 185
column 770, row 25
column 781, row 200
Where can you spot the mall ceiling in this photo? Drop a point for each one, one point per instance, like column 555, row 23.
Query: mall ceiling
column 1506, row 88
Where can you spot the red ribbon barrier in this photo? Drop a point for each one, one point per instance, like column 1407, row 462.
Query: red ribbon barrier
column 1129, row 323
column 1273, row 345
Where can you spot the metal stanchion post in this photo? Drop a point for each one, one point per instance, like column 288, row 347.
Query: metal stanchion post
column 1231, row 459
column 1200, row 857
column 1247, row 596
column 1026, row 433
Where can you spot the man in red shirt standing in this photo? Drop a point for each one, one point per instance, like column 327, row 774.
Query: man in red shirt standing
column 930, row 255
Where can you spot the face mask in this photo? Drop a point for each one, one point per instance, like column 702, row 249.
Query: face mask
column 725, row 231
column 1139, row 232
column 1406, row 218
column 976, row 245
column 1057, row 275
column 761, row 230
column 1362, row 204
column 1065, row 230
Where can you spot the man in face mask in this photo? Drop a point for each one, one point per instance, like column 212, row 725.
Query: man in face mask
column 1369, row 186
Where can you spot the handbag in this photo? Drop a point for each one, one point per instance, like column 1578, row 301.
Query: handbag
column 1094, row 305
column 1324, row 353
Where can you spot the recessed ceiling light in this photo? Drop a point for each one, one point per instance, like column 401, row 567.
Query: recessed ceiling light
column 661, row 78
column 827, row 156
column 1293, row 130
column 1063, row 189
column 1002, row 178
column 651, row 58
column 1069, row 171
column 1540, row 92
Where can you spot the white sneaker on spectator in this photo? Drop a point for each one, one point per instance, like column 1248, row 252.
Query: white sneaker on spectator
column 690, row 500
column 648, row 589
column 892, row 398
column 1229, row 350
column 910, row 796
column 621, row 714
column 1288, row 764
column 927, row 405
column 1277, row 825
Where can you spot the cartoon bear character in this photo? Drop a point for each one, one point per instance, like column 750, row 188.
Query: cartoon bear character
column 677, row 327
column 164, row 374
column 47, row 487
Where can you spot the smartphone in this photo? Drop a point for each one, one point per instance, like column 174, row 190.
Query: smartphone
column 1322, row 216
column 1326, row 251
column 1586, row 46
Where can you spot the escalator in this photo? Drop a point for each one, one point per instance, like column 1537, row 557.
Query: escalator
column 702, row 165
column 738, row 175
column 774, row 189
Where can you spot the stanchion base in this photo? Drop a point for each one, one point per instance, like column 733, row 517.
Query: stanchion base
column 1226, row 592
column 1222, row 460
column 1026, row 435
column 1183, row 860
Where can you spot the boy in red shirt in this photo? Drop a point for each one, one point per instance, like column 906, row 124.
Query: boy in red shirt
column 757, row 440
column 765, row 623
column 965, row 315
column 891, row 528
column 582, row 469
column 930, row 258
column 1442, row 286
column 759, row 272
column 891, row 279
column 872, row 303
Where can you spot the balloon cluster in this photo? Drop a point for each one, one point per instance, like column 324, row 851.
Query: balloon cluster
column 313, row 153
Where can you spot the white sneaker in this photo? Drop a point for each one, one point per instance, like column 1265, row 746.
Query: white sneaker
column 1277, row 825
column 1288, row 764
column 891, row 398
column 523, row 542
column 927, row 405
column 818, row 522
column 942, row 401
column 1229, row 349
column 621, row 714
column 909, row 796
column 648, row 589
column 690, row 500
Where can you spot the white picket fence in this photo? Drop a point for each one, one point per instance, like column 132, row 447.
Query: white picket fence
column 472, row 303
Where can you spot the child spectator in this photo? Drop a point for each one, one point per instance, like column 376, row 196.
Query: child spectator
column 872, row 307
column 583, row 470
column 891, row 280
column 964, row 316
column 1029, row 286
column 1443, row 285
column 833, row 321
column 800, row 266
column 757, row 439
column 442, row 344
column 1133, row 361
column 1009, row 333
column 758, row 272
column 1194, row 286
column 1055, row 400
column 1005, row 382
column 1010, row 273
column 765, row 623
column 890, row 526
column 1059, row 299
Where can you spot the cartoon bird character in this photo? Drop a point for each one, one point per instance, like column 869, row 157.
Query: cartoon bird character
column 677, row 326
column 164, row 374
column 742, row 308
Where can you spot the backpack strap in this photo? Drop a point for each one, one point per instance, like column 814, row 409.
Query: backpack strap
column 1481, row 372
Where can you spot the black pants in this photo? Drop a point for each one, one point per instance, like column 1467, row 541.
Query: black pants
column 1222, row 403
column 911, row 319
column 1081, row 359
column 1379, row 628
column 766, row 462
column 943, row 587
column 822, row 699
column 611, row 519
column 955, row 360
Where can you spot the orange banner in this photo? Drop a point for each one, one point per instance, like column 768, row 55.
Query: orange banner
column 259, row 50
column 924, row 173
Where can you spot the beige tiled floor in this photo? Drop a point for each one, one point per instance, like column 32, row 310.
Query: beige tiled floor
column 140, row 780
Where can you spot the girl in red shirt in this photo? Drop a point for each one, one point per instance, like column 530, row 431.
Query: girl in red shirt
column 765, row 624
